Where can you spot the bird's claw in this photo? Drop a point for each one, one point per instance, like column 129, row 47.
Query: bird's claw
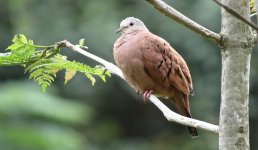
column 146, row 95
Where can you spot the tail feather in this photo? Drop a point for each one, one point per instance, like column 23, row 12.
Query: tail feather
column 192, row 130
column 182, row 104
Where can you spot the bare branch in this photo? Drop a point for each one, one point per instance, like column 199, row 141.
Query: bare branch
column 237, row 15
column 170, row 115
column 180, row 18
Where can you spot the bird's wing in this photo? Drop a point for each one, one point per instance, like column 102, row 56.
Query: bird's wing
column 164, row 65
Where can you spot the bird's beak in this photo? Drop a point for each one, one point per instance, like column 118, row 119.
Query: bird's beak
column 119, row 30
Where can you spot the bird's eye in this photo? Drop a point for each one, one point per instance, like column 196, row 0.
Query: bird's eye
column 131, row 23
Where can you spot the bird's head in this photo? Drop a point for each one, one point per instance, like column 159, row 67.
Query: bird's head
column 129, row 24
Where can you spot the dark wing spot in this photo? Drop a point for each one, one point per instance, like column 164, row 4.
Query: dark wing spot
column 161, row 62
column 165, row 78
column 169, row 71
column 146, row 71
column 171, row 65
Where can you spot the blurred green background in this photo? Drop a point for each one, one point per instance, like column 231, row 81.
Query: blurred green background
column 108, row 116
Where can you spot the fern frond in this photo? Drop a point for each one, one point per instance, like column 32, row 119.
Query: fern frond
column 37, row 64
column 44, row 76
column 43, row 62
column 22, row 47
column 44, row 70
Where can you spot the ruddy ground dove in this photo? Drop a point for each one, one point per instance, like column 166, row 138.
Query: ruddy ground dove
column 151, row 66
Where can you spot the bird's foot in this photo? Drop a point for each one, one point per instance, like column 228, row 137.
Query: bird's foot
column 146, row 95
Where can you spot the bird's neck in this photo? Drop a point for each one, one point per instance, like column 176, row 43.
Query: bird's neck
column 135, row 30
column 129, row 35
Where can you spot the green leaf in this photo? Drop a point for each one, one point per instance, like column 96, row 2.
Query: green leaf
column 252, row 7
column 21, row 47
column 108, row 73
column 69, row 74
column 81, row 42
column 22, row 38
column 103, row 78
column 93, row 80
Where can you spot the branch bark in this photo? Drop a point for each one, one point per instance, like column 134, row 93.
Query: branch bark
column 170, row 115
column 180, row 18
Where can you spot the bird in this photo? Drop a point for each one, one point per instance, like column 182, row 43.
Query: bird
column 151, row 66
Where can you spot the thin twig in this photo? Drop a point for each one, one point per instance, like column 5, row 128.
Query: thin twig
column 237, row 15
column 180, row 18
column 170, row 115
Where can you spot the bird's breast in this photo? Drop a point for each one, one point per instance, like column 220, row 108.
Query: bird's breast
column 128, row 57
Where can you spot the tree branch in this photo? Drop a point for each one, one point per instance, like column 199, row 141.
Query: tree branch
column 180, row 18
column 170, row 115
column 237, row 15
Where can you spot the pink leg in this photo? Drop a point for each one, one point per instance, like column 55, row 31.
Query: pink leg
column 146, row 95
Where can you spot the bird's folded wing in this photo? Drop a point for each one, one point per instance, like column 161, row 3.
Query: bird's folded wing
column 164, row 65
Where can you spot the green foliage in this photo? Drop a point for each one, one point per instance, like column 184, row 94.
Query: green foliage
column 21, row 51
column 43, row 62
column 22, row 47
column 81, row 42
column 252, row 7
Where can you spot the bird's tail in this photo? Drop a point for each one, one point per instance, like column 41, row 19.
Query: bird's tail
column 192, row 130
column 183, row 107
